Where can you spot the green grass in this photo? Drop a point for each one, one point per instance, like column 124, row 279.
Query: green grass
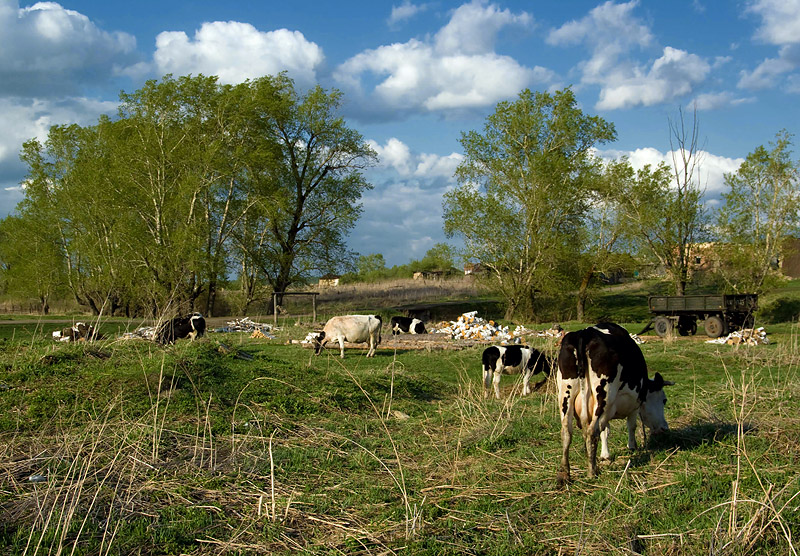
column 188, row 450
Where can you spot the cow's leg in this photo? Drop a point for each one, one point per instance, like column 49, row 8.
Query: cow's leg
column 526, row 382
column 487, row 381
column 496, row 382
column 341, row 347
column 604, row 453
column 632, row 418
column 567, row 391
column 371, row 352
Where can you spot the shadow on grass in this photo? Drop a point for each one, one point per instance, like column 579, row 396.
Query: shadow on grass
column 696, row 435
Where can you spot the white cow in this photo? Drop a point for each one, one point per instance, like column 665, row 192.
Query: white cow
column 350, row 328
column 602, row 375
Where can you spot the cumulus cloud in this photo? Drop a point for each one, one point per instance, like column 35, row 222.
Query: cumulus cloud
column 398, row 156
column 455, row 69
column 405, row 11
column 780, row 26
column 402, row 215
column 238, row 51
column 780, row 20
column 714, row 101
column 712, row 168
column 612, row 32
column 48, row 50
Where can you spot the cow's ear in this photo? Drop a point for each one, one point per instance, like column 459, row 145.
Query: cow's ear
column 659, row 382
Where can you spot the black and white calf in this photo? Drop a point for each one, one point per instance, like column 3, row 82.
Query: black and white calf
column 191, row 326
column 514, row 359
column 602, row 375
column 406, row 325
column 350, row 328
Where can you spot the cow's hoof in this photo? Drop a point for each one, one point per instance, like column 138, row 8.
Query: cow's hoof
column 562, row 479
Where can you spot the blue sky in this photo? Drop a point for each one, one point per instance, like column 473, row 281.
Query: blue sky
column 417, row 74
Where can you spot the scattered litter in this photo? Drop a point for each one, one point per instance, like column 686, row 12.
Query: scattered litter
column 141, row 333
column 399, row 415
column 37, row 479
column 554, row 331
column 309, row 339
column 470, row 326
column 246, row 324
column 637, row 339
column 747, row 336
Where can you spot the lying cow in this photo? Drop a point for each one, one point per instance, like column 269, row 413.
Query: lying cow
column 514, row 359
column 191, row 326
column 602, row 375
column 407, row 325
column 350, row 328
column 78, row 333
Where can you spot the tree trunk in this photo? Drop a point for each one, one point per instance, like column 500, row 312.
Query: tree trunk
column 582, row 293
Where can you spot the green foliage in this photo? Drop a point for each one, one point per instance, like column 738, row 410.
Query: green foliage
column 759, row 213
column 524, row 187
column 151, row 211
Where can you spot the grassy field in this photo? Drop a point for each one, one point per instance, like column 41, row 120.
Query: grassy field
column 124, row 447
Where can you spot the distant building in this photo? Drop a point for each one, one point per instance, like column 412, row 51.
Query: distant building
column 474, row 269
column 329, row 281
column 429, row 275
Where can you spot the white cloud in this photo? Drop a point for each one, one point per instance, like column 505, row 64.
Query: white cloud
column 397, row 156
column 714, row 101
column 672, row 75
column 50, row 50
column 770, row 72
column 456, row 69
column 780, row 26
column 238, row 51
column 611, row 32
column 780, row 20
column 712, row 168
column 405, row 11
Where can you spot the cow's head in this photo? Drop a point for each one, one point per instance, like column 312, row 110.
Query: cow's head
column 318, row 341
column 652, row 408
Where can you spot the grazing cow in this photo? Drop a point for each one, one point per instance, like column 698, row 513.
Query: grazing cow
column 602, row 375
column 510, row 360
column 350, row 328
column 407, row 325
column 191, row 326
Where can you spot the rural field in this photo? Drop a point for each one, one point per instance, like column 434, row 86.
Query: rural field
column 235, row 445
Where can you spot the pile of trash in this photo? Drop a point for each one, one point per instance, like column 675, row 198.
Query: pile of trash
column 470, row 326
column 747, row 336
column 141, row 333
column 246, row 324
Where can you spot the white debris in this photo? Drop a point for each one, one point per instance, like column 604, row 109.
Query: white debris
column 554, row 331
column 246, row 324
column 141, row 333
column 747, row 336
column 309, row 339
column 470, row 326
column 637, row 339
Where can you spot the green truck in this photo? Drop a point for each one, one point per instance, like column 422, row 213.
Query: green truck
column 720, row 314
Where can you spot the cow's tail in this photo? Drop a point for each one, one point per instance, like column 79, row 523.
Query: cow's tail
column 581, row 360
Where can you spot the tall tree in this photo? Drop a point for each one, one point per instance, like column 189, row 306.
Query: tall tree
column 759, row 212
column 523, row 190
column 665, row 205
column 314, row 186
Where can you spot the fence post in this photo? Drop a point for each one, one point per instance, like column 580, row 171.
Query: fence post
column 275, row 308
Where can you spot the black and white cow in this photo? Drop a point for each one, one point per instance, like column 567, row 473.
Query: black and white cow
column 407, row 325
column 514, row 359
column 191, row 326
column 77, row 333
column 602, row 375
column 350, row 328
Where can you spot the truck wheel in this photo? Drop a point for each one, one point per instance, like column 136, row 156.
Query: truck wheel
column 714, row 326
column 663, row 326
